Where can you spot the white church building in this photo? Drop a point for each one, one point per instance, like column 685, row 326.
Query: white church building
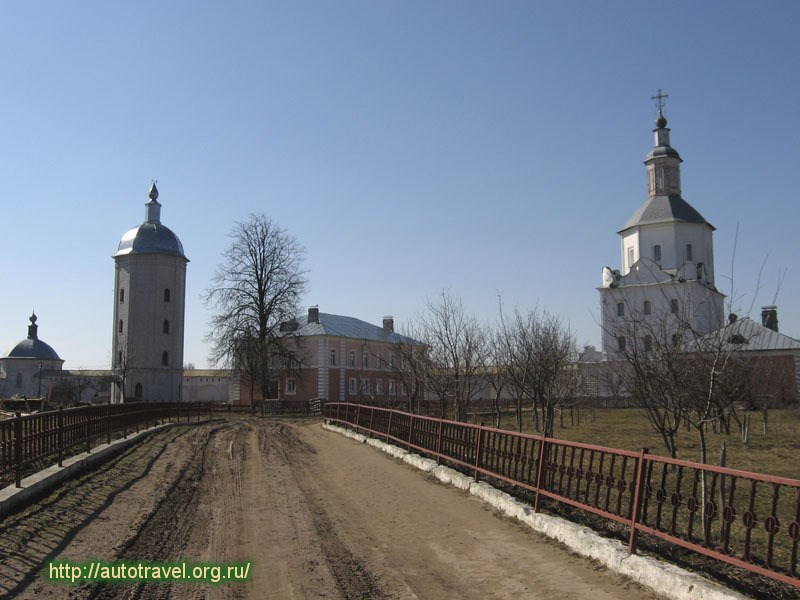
column 665, row 291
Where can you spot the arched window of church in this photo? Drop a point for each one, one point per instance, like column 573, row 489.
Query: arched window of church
column 19, row 379
column 621, row 343
column 648, row 343
column 657, row 253
column 121, row 295
column 138, row 391
column 166, row 326
column 119, row 358
column 648, row 308
column 689, row 253
column 166, row 294
column 119, row 327
column 674, row 305
column 165, row 359
column 620, row 309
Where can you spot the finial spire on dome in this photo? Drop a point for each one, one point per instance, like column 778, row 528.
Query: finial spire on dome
column 33, row 327
column 153, row 208
column 153, row 195
column 661, row 121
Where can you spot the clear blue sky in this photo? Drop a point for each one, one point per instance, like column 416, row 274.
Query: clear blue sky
column 482, row 147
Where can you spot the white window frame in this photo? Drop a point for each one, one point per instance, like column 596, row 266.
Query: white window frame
column 351, row 386
column 291, row 386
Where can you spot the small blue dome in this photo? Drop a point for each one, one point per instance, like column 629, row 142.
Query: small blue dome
column 31, row 348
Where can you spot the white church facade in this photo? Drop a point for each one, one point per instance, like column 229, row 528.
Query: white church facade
column 665, row 292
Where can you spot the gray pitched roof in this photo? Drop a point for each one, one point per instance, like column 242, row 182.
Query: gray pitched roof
column 348, row 327
column 665, row 209
column 754, row 337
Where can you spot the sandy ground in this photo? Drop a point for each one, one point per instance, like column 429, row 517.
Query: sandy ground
column 317, row 515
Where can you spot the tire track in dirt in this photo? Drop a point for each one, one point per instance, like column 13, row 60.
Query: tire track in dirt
column 353, row 579
column 167, row 531
column 39, row 533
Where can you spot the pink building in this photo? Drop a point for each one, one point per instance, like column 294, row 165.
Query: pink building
column 343, row 359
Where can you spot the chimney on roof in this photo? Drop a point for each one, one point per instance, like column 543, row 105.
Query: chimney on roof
column 732, row 318
column 313, row 314
column 388, row 324
column 769, row 317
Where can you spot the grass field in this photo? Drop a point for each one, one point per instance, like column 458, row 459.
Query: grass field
column 775, row 453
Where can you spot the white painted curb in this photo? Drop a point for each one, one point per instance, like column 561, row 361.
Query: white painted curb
column 663, row 578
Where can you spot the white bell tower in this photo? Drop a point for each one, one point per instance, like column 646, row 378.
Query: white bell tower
column 665, row 287
column 149, row 304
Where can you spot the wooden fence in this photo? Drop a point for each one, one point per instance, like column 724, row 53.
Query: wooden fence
column 744, row 519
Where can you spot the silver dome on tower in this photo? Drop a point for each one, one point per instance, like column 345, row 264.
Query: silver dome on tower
column 151, row 237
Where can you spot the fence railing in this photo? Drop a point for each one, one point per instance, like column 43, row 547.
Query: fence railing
column 43, row 439
column 291, row 407
column 744, row 519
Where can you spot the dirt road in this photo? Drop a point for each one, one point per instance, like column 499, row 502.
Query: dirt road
column 318, row 515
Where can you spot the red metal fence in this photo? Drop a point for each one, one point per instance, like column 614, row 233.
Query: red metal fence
column 744, row 519
column 42, row 439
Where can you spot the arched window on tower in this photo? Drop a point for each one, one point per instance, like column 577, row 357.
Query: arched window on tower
column 657, row 253
column 166, row 294
column 137, row 391
column 119, row 327
column 19, row 379
column 166, row 326
column 119, row 358
column 121, row 295
column 165, row 359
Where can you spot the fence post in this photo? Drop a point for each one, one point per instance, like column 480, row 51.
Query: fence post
column 439, row 443
column 410, row 432
column 539, row 472
column 358, row 417
column 88, row 432
column 107, row 410
column 60, row 436
column 389, row 426
column 478, row 449
column 18, row 450
column 636, row 501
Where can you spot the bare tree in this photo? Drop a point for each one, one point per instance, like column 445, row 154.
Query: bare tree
column 538, row 356
column 255, row 290
column 496, row 373
column 456, row 354
column 680, row 376
column 124, row 363
column 408, row 366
